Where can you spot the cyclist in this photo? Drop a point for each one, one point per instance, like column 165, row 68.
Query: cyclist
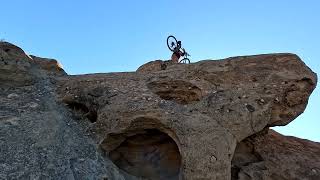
column 177, row 53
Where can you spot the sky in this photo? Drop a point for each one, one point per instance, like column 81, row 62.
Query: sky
column 115, row 35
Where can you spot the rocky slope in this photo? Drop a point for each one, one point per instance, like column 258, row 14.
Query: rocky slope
column 206, row 120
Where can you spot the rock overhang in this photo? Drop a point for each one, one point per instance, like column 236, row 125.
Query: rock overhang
column 203, row 108
column 227, row 100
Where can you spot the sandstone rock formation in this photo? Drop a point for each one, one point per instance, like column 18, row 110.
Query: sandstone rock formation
column 206, row 120
column 269, row 155
column 15, row 65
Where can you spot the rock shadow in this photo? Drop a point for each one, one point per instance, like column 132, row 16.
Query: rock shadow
column 179, row 91
column 145, row 150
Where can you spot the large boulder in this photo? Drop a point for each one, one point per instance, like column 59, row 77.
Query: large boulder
column 15, row 65
column 205, row 108
column 19, row 69
column 165, row 121
column 154, row 66
column 51, row 66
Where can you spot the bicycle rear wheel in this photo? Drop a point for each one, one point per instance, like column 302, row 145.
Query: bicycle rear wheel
column 172, row 43
column 185, row 61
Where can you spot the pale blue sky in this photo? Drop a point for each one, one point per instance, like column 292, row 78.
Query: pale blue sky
column 115, row 35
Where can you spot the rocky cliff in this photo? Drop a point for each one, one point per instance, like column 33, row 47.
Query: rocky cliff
column 205, row 120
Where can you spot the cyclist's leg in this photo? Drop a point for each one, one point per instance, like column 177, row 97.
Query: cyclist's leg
column 175, row 57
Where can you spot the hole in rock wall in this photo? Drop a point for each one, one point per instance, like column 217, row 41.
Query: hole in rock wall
column 149, row 154
column 182, row 92
column 81, row 110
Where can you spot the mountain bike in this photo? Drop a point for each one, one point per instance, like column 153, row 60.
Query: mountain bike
column 185, row 58
column 172, row 44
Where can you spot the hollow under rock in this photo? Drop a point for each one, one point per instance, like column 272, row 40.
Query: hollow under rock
column 81, row 109
column 151, row 154
column 182, row 92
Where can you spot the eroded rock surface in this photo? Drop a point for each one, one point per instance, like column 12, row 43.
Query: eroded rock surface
column 150, row 154
column 165, row 121
column 270, row 155
column 15, row 65
column 206, row 107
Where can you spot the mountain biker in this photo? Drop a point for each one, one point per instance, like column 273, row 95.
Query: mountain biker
column 177, row 53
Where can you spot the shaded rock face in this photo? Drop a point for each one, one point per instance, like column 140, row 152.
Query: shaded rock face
column 20, row 69
column 179, row 91
column 15, row 65
column 149, row 154
column 270, row 155
column 165, row 121
column 51, row 66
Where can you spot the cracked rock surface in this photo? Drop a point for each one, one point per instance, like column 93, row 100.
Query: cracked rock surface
column 165, row 121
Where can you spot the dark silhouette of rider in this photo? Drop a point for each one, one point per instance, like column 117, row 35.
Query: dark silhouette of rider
column 177, row 53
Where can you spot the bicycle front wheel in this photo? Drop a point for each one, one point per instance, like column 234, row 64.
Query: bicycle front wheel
column 185, row 61
column 172, row 43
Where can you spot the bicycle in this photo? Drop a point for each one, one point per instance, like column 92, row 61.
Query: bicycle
column 185, row 59
column 172, row 44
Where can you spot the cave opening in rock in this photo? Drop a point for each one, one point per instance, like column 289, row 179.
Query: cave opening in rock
column 149, row 154
column 81, row 109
